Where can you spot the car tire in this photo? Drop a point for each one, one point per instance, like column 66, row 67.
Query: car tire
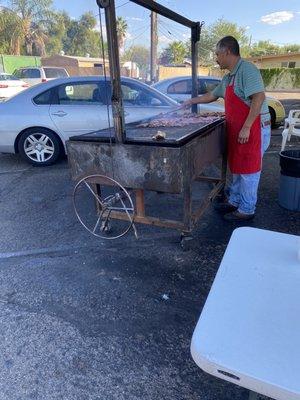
column 273, row 117
column 39, row 147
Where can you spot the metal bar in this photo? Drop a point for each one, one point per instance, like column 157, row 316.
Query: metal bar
column 140, row 202
column 165, row 12
column 207, row 179
column 212, row 194
column 114, row 67
column 187, row 196
column 224, row 166
column 163, row 223
column 97, row 189
column 195, row 37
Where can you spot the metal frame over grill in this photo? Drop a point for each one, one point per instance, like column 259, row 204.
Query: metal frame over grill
column 142, row 164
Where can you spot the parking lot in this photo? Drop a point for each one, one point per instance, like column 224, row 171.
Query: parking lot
column 93, row 320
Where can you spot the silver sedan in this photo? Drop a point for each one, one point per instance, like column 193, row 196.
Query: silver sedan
column 37, row 122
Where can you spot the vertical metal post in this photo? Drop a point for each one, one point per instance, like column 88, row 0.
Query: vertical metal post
column 196, row 29
column 114, row 67
column 154, row 40
column 253, row 396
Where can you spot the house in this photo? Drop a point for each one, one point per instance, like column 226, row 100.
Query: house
column 77, row 65
column 88, row 65
column 287, row 60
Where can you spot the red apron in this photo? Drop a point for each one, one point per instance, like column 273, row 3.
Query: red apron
column 242, row 158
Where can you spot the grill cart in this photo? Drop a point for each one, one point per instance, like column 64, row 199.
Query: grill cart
column 129, row 162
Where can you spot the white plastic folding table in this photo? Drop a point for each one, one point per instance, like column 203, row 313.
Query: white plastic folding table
column 249, row 330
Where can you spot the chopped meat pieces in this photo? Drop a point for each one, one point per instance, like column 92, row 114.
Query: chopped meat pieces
column 176, row 119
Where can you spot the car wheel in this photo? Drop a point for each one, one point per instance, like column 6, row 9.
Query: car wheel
column 273, row 117
column 39, row 146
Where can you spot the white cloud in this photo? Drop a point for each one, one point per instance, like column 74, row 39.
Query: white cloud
column 136, row 19
column 277, row 17
column 164, row 39
column 247, row 27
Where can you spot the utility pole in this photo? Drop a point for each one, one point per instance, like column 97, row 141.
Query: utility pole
column 154, row 40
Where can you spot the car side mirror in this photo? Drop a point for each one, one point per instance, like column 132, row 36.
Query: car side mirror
column 155, row 102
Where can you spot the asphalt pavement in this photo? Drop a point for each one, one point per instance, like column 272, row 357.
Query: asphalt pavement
column 84, row 319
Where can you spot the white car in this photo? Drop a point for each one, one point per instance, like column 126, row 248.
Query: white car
column 37, row 122
column 35, row 75
column 10, row 85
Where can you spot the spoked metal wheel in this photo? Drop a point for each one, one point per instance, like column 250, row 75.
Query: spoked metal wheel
column 39, row 147
column 103, row 207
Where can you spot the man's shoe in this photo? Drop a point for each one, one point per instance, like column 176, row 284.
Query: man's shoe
column 224, row 207
column 237, row 216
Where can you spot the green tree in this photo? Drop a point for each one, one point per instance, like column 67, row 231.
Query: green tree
column 31, row 18
column 10, row 33
column 264, row 47
column 56, row 32
column 121, row 31
column 81, row 37
column 213, row 33
column 291, row 48
column 175, row 53
column 138, row 54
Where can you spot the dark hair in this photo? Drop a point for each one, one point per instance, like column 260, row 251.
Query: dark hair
column 229, row 43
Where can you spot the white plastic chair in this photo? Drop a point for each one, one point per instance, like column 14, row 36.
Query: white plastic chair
column 290, row 128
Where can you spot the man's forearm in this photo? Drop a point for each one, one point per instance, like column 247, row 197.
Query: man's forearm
column 255, row 109
column 205, row 98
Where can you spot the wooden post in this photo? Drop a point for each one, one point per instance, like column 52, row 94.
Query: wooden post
column 140, row 202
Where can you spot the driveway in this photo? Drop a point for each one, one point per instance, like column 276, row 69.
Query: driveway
column 83, row 319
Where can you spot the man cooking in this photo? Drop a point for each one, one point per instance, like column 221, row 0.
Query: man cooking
column 248, row 127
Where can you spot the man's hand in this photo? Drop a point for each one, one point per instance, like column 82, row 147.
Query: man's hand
column 187, row 103
column 244, row 135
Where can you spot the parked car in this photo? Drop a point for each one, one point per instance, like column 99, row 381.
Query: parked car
column 37, row 122
column 180, row 89
column 10, row 85
column 35, row 75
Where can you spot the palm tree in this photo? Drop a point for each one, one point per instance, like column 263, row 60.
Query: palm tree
column 122, row 31
column 10, row 32
column 178, row 52
column 28, row 22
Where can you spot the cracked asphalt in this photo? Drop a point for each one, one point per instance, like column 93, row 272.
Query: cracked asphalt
column 83, row 319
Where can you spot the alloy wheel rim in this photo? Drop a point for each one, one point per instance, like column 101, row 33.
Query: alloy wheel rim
column 39, row 147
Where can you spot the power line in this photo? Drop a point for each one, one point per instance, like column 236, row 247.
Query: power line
column 131, row 41
column 122, row 5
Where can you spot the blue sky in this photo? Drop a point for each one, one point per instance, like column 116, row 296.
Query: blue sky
column 275, row 20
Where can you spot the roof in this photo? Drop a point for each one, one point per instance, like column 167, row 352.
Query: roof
column 85, row 59
column 296, row 53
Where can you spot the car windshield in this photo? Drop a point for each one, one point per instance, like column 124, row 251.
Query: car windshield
column 7, row 77
column 55, row 73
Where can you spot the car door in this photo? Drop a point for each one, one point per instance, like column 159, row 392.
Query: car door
column 180, row 90
column 208, row 85
column 141, row 102
column 78, row 108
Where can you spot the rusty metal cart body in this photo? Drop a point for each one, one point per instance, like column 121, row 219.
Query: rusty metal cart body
column 142, row 164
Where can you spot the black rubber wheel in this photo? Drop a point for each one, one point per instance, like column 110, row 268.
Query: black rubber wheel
column 39, row 147
column 273, row 117
column 186, row 241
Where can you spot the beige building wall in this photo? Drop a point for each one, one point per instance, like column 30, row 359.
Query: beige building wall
column 170, row 72
column 285, row 60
